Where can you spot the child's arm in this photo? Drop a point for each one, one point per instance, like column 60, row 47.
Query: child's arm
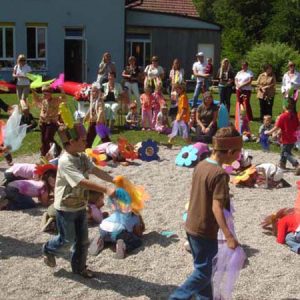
column 101, row 174
column 269, row 132
column 36, row 98
column 217, row 209
column 93, row 186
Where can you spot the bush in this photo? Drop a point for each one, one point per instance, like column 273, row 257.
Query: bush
column 277, row 54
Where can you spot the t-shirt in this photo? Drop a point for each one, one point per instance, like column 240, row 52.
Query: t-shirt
column 22, row 71
column 206, row 114
column 109, row 148
column 199, row 68
column 288, row 123
column 243, row 76
column 153, row 72
column 68, row 195
column 31, row 188
column 133, row 72
column 288, row 223
column 23, row 170
column 162, row 120
column 183, row 103
column 210, row 182
column 132, row 116
column 146, row 101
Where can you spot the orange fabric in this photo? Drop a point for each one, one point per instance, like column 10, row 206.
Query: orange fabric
column 183, row 103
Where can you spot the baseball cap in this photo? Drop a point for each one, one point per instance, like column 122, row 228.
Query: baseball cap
column 200, row 54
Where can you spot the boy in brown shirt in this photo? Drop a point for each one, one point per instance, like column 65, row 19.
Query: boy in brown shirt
column 209, row 196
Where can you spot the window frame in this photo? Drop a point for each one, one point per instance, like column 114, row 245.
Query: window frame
column 4, row 57
column 37, row 59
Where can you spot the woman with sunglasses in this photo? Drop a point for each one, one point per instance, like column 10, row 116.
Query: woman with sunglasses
column 290, row 80
column 23, row 83
column 154, row 74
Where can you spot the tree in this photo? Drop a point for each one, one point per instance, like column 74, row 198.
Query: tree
column 205, row 9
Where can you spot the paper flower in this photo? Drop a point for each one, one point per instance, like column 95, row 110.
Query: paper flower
column 148, row 150
column 127, row 150
column 98, row 158
column 37, row 81
column 66, row 115
column 187, row 156
column 58, row 82
column 41, row 169
column 102, row 130
column 246, row 177
column 121, row 202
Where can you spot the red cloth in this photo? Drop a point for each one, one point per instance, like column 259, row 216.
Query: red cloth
column 288, row 223
column 288, row 123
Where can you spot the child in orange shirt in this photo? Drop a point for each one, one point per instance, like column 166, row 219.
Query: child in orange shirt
column 180, row 125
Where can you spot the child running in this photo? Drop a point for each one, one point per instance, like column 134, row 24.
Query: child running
column 209, row 196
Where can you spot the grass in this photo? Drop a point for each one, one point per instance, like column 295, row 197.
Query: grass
column 31, row 143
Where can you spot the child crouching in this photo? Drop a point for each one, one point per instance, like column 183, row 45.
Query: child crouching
column 162, row 121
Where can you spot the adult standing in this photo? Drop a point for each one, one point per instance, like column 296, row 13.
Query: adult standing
column 291, row 79
column 154, row 74
column 106, row 66
column 131, row 75
column 206, row 117
column 243, row 87
column 226, row 80
column 199, row 68
column 23, row 83
column 266, row 87
column 176, row 77
column 112, row 93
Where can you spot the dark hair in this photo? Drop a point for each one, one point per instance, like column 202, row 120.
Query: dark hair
column 112, row 73
column 94, row 196
column 226, row 132
column 176, row 60
column 45, row 177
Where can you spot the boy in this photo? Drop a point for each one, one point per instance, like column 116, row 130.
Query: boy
column 209, row 195
column 132, row 118
column 70, row 200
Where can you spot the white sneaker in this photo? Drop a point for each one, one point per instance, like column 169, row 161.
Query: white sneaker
column 96, row 246
column 120, row 249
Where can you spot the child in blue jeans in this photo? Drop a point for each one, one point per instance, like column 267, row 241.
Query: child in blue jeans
column 71, row 198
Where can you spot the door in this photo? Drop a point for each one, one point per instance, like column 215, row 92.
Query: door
column 74, row 60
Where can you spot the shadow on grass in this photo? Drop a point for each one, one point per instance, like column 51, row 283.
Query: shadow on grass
column 125, row 285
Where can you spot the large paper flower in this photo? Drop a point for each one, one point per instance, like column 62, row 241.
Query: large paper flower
column 98, row 158
column 246, row 177
column 187, row 156
column 126, row 149
column 148, row 150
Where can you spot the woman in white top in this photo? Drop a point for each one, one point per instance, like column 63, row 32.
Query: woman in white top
column 112, row 94
column 154, row 74
column 291, row 79
column 243, row 87
column 23, row 83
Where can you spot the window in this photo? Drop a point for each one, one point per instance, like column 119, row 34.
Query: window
column 7, row 46
column 37, row 47
column 139, row 45
column 208, row 50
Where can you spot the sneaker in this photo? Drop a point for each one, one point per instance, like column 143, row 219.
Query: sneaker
column 49, row 260
column 96, row 245
column 120, row 249
column 86, row 273
column 187, row 246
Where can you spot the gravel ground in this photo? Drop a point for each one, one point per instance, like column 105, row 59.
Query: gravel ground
column 154, row 270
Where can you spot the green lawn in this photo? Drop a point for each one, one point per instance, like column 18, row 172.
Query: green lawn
column 31, row 143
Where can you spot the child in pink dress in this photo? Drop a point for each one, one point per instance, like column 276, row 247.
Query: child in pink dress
column 157, row 103
column 162, row 121
column 146, row 100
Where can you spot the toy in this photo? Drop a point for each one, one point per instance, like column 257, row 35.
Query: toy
column 127, row 150
column 98, row 158
column 187, row 156
column 246, row 178
column 66, row 115
column 58, row 82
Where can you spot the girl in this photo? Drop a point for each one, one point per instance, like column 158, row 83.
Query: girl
column 162, row 121
column 95, row 115
column 183, row 115
column 158, row 101
column 146, row 101
column 19, row 193
column 96, row 202
column 288, row 123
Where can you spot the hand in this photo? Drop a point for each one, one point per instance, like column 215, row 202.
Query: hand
column 232, row 243
column 267, row 132
column 206, row 130
column 110, row 192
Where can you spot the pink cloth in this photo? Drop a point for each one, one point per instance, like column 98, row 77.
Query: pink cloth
column 23, row 170
column 31, row 188
column 146, row 119
column 146, row 101
column 96, row 213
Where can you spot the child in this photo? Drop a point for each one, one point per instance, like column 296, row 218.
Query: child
column 209, row 69
column 20, row 171
column 183, row 115
column 48, row 116
column 174, row 105
column 27, row 117
column 288, row 123
column 95, row 115
column 132, row 118
column 193, row 120
column 266, row 126
column 71, row 197
column 209, row 196
column 7, row 155
column 48, row 222
column 146, row 101
column 158, row 101
column 162, row 121
column 96, row 201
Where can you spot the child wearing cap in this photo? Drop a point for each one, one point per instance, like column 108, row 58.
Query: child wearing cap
column 132, row 118
column 48, row 116
column 209, row 195
column 71, row 196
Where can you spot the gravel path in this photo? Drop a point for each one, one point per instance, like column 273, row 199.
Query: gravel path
column 153, row 271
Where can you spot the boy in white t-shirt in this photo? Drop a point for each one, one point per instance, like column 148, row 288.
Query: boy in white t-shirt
column 199, row 68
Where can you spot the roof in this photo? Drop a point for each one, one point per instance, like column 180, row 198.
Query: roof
column 178, row 7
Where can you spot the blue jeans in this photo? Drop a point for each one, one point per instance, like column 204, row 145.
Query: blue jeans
column 198, row 90
column 293, row 241
column 72, row 231
column 286, row 154
column 18, row 201
column 199, row 282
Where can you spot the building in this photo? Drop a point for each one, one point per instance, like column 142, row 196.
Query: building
column 71, row 36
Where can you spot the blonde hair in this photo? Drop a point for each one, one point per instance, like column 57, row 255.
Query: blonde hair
column 223, row 65
column 21, row 57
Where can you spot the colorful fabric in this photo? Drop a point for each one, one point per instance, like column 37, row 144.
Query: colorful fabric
column 183, row 103
column 31, row 188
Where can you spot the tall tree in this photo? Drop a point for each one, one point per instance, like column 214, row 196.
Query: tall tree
column 205, row 9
